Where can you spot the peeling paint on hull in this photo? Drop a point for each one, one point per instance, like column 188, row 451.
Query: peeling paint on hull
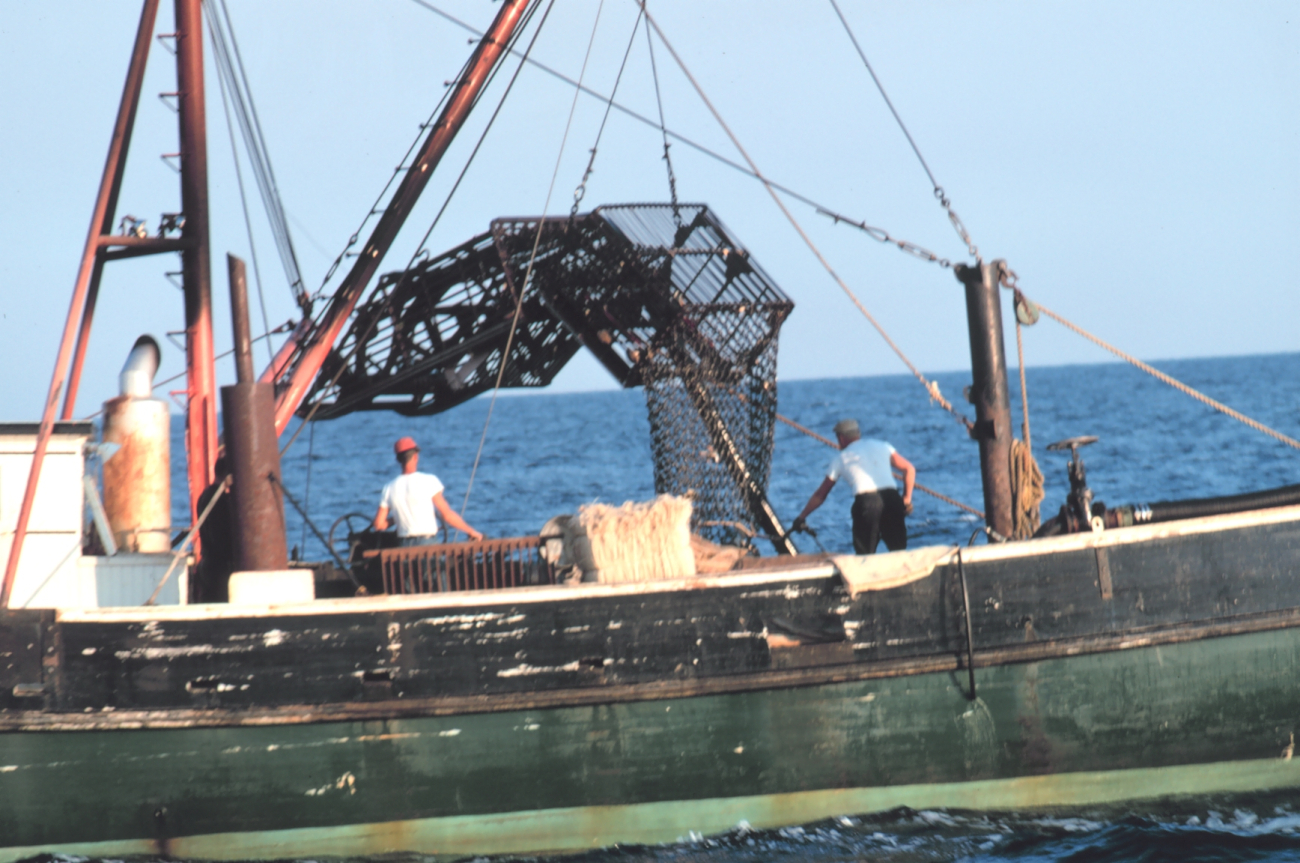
column 1195, row 717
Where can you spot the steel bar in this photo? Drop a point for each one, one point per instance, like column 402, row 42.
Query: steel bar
column 200, row 366
column 989, row 391
column 109, row 185
column 114, row 169
column 314, row 351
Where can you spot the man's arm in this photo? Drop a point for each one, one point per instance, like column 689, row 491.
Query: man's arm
column 818, row 498
column 381, row 518
column 909, row 477
column 452, row 518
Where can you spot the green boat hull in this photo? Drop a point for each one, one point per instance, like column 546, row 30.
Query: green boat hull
column 1208, row 715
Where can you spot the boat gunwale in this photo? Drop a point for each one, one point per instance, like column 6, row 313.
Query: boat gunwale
column 1113, row 537
column 36, row 721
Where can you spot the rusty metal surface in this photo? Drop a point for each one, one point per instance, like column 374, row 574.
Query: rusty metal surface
column 254, row 456
column 486, row 565
column 200, row 368
column 989, row 392
column 137, row 479
column 239, row 320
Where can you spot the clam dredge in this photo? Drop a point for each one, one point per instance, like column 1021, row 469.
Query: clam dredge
column 606, row 681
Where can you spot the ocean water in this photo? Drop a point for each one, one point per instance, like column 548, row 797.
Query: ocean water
column 548, row 454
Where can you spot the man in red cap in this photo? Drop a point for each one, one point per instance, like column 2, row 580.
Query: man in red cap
column 414, row 498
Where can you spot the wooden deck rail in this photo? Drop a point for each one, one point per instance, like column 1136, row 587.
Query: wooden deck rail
column 494, row 563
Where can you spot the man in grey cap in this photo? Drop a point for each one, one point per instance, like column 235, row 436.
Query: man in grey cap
column 867, row 466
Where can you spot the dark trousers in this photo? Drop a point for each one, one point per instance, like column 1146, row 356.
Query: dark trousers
column 879, row 515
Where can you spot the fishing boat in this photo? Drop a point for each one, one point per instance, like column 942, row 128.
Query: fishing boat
column 513, row 696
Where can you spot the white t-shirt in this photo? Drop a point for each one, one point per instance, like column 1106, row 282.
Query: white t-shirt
column 864, row 464
column 409, row 499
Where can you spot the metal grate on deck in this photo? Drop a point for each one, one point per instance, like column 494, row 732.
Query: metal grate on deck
column 487, row 565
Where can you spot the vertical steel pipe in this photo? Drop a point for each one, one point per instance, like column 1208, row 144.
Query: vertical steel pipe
column 239, row 319
column 252, row 450
column 200, row 368
column 108, row 187
column 989, row 392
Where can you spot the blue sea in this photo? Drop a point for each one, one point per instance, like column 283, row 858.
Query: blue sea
column 548, row 454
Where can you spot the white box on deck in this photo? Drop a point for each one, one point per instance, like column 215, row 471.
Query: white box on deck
column 52, row 572
column 47, row 574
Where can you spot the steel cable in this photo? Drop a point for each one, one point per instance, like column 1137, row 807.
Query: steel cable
column 931, row 387
column 1164, row 378
column 939, row 193
column 528, row 272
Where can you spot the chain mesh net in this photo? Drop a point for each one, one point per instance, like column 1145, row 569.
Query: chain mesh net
column 661, row 294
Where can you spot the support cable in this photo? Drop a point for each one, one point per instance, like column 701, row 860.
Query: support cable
column 218, row 48
column 668, row 133
column 938, row 190
column 663, row 129
column 446, row 202
column 581, row 190
column 237, row 93
column 528, row 272
column 931, row 387
column 1009, row 279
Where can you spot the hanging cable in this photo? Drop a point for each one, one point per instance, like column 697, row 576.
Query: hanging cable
column 700, row 148
column 938, row 190
column 528, row 272
column 931, row 387
column 230, row 67
column 243, row 198
column 663, row 129
column 581, row 190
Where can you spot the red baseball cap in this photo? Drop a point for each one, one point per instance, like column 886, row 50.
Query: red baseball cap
column 404, row 444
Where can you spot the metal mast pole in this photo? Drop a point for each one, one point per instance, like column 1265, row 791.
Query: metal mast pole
column 200, row 370
column 989, row 392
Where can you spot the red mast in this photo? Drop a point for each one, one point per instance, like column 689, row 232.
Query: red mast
column 200, row 367
column 312, row 348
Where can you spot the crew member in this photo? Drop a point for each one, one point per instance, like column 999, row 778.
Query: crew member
column 878, row 510
column 412, row 499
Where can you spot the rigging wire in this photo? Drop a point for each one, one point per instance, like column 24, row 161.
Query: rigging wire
column 1009, row 279
column 640, row 118
column 218, row 53
column 581, row 190
column 231, row 68
column 663, row 129
column 528, row 272
column 316, row 406
column 938, row 190
column 931, row 387
column 402, row 165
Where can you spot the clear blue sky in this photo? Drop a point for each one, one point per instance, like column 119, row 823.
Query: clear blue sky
column 1134, row 162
